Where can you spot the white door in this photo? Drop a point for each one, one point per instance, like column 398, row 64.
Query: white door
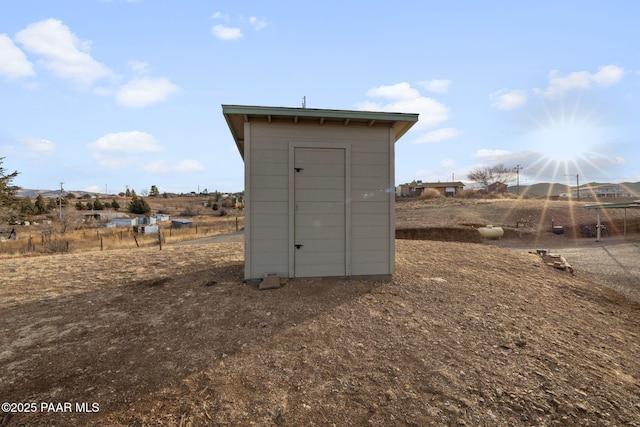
column 319, row 212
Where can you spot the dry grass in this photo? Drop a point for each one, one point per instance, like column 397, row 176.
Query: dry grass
column 46, row 240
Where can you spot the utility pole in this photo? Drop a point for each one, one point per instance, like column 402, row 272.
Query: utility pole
column 518, row 167
column 577, row 186
column 60, row 198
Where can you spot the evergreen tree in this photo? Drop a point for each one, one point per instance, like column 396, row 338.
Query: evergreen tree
column 52, row 204
column 98, row 205
column 41, row 205
column 114, row 204
column 79, row 206
column 27, row 207
column 7, row 190
column 139, row 205
column 154, row 192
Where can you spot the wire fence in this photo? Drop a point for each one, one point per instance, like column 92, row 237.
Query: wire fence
column 101, row 239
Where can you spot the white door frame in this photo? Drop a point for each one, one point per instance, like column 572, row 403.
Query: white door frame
column 292, row 202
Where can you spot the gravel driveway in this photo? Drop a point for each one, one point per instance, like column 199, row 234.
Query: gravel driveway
column 612, row 262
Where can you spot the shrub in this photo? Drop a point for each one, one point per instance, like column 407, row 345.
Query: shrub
column 430, row 193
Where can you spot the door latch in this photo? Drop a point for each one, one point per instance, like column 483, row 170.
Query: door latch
column 298, row 246
column 298, row 169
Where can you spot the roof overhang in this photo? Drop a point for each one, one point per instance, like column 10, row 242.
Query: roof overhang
column 237, row 115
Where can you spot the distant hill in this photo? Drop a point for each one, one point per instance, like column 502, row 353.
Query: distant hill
column 55, row 193
column 542, row 189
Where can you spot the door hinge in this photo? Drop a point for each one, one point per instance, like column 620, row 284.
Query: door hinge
column 298, row 246
column 298, row 169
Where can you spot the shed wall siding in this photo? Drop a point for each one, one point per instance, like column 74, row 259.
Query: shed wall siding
column 267, row 244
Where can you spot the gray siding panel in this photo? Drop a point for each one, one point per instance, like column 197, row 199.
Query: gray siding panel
column 271, row 195
column 369, row 204
column 265, row 182
column 267, row 233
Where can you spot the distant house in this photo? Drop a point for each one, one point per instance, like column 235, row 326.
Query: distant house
column 416, row 188
column 181, row 223
column 147, row 220
column 124, row 222
column 603, row 191
column 497, row 187
column 162, row 217
column 104, row 216
column 147, row 229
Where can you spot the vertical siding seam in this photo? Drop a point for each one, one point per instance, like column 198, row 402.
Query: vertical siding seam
column 392, row 202
column 247, row 201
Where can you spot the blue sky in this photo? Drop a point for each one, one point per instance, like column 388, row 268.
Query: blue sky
column 118, row 93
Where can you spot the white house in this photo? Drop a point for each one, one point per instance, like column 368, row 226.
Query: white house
column 319, row 189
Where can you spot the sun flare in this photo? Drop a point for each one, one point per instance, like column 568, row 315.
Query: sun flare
column 565, row 142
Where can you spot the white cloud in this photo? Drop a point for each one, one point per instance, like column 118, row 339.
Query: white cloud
column 114, row 150
column 233, row 32
column 145, row 91
column 508, row 100
column 608, row 75
column 437, row 135
column 94, row 189
column 62, row 52
column 436, row 85
column 13, row 62
column 139, row 67
column 224, row 32
column 558, row 85
column 401, row 90
column 37, row 147
column 257, row 23
column 161, row 166
column 126, row 142
column 406, row 99
column 491, row 157
column 220, row 15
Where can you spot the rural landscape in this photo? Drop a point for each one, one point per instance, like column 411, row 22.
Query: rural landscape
column 467, row 331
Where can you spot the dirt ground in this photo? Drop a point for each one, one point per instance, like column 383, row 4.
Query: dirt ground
column 465, row 333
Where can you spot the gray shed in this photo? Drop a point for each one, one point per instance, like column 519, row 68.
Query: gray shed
column 319, row 189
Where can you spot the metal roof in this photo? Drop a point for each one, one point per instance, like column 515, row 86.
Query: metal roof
column 237, row 115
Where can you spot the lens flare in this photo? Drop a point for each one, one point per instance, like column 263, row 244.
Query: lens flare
column 566, row 142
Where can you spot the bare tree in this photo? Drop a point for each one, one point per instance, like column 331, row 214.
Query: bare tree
column 490, row 174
